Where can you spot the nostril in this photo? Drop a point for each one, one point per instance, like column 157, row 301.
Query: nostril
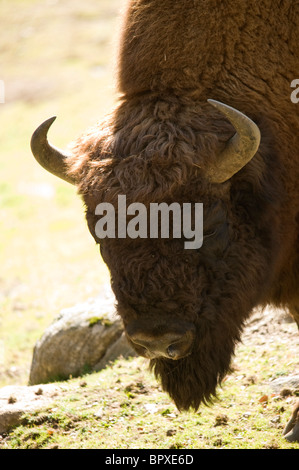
column 172, row 351
column 151, row 343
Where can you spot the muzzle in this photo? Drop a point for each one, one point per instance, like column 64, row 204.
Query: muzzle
column 173, row 340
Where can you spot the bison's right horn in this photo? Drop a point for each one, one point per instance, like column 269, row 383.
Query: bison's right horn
column 239, row 150
column 48, row 156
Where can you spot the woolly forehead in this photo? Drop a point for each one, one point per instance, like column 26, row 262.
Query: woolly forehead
column 152, row 151
column 147, row 181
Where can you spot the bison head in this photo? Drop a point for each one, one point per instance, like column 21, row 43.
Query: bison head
column 182, row 308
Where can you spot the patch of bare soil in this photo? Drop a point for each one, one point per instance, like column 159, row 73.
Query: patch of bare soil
column 270, row 326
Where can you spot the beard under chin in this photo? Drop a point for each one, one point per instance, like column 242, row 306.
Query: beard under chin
column 193, row 380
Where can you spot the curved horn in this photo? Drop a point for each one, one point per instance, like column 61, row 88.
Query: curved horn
column 240, row 148
column 48, row 156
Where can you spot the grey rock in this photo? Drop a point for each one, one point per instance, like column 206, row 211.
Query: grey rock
column 291, row 381
column 83, row 338
column 119, row 348
column 17, row 400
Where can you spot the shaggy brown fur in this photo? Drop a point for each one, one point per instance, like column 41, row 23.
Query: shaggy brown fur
column 156, row 146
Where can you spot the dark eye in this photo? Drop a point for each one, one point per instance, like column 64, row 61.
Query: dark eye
column 215, row 241
column 209, row 234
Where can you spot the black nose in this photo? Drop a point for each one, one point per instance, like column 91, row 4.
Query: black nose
column 172, row 345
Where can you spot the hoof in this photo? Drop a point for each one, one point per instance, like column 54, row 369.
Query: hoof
column 291, row 431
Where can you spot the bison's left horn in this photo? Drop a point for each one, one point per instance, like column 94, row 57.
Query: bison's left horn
column 48, row 156
column 240, row 149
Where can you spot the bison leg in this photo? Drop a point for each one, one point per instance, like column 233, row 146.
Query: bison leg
column 291, row 431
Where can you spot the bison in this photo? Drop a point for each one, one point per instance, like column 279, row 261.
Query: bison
column 204, row 115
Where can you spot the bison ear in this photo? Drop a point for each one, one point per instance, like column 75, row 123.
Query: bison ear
column 48, row 156
column 239, row 150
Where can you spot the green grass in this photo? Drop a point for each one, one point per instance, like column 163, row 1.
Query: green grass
column 123, row 407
